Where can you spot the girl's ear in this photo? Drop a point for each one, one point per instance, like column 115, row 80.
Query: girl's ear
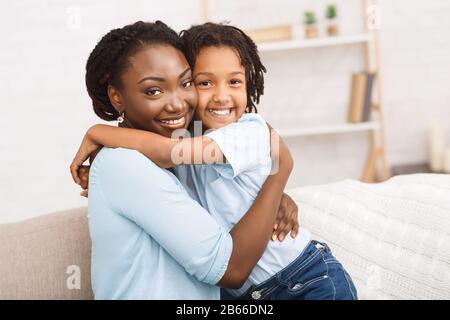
column 115, row 98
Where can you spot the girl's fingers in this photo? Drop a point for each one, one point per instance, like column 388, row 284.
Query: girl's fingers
column 74, row 172
column 84, row 193
column 83, row 174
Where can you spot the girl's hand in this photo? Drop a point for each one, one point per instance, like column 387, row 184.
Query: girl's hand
column 88, row 148
column 287, row 219
column 83, row 174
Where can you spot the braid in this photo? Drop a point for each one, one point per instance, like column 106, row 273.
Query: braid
column 110, row 58
column 210, row 34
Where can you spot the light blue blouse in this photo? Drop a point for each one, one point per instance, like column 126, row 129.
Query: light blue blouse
column 150, row 239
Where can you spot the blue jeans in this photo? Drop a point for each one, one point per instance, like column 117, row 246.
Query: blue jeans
column 314, row 275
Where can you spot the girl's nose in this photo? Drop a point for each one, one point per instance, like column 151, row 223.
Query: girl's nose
column 221, row 96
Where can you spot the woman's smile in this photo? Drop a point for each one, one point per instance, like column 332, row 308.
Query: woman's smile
column 175, row 122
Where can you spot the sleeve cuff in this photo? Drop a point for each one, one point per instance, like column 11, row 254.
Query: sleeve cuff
column 220, row 265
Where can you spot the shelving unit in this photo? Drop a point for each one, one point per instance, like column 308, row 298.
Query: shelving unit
column 375, row 169
column 314, row 43
column 329, row 129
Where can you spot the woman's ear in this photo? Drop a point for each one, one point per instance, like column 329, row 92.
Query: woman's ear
column 115, row 98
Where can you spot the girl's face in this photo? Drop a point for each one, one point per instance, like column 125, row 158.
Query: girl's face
column 221, row 86
column 157, row 92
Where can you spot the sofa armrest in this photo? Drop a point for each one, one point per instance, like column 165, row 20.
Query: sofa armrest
column 47, row 257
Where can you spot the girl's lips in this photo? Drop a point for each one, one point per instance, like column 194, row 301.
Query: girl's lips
column 222, row 113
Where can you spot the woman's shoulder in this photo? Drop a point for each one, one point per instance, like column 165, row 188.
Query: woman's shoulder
column 119, row 155
column 120, row 161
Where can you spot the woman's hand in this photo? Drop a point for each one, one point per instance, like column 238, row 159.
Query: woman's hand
column 287, row 219
column 88, row 148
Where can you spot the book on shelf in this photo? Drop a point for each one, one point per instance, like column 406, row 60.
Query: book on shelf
column 276, row 33
column 360, row 104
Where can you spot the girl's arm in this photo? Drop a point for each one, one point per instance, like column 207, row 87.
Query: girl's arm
column 165, row 152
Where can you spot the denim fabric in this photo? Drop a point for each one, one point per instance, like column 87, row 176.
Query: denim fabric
column 314, row 275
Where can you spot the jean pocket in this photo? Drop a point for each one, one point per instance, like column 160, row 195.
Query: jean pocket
column 298, row 287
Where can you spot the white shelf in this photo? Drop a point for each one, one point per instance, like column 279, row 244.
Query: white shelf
column 329, row 129
column 317, row 42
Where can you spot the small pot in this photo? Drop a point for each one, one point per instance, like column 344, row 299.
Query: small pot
column 311, row 31
column 332, row 27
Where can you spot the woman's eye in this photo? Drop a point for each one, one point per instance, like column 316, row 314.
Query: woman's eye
column 187, row 84
column 153, row 92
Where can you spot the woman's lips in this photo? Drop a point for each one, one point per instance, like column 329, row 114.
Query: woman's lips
column 174, row 123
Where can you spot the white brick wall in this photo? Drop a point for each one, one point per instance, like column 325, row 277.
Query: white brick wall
column 45, row 109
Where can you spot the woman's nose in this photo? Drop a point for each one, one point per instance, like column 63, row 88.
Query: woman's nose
column 175, row 104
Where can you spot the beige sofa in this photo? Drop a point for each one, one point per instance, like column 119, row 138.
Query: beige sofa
column 47, row 257
column 392, row 237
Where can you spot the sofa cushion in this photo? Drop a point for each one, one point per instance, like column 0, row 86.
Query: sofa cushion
column 47, row 257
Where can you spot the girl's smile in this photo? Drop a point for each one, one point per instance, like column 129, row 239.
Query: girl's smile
column 222, row 114
column 221, row 86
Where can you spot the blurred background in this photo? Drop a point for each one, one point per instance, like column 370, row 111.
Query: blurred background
column 315, row 52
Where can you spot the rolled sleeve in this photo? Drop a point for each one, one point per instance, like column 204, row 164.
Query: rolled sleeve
column 245, row 144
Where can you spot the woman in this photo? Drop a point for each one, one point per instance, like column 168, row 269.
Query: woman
column 150, row 239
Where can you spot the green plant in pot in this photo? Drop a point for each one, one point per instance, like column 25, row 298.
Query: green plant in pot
column 331, row 15
column 310, row 23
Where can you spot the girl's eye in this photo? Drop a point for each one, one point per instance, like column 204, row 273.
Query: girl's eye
column 204, row 83
column 235, row 82
column 187, row 84
column 153, row 92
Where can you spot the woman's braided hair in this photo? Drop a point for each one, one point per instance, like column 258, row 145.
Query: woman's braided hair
column 210, row 34
column 110, row 56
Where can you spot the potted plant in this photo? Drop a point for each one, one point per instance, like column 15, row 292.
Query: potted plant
column 310, row 23
column 331, row 15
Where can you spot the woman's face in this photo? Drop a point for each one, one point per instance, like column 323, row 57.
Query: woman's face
column 157, row 92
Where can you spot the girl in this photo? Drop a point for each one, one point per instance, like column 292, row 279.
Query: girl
column 134, row 205
column 228, row 76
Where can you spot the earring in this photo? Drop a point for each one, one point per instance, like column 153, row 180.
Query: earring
column 121, row 117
